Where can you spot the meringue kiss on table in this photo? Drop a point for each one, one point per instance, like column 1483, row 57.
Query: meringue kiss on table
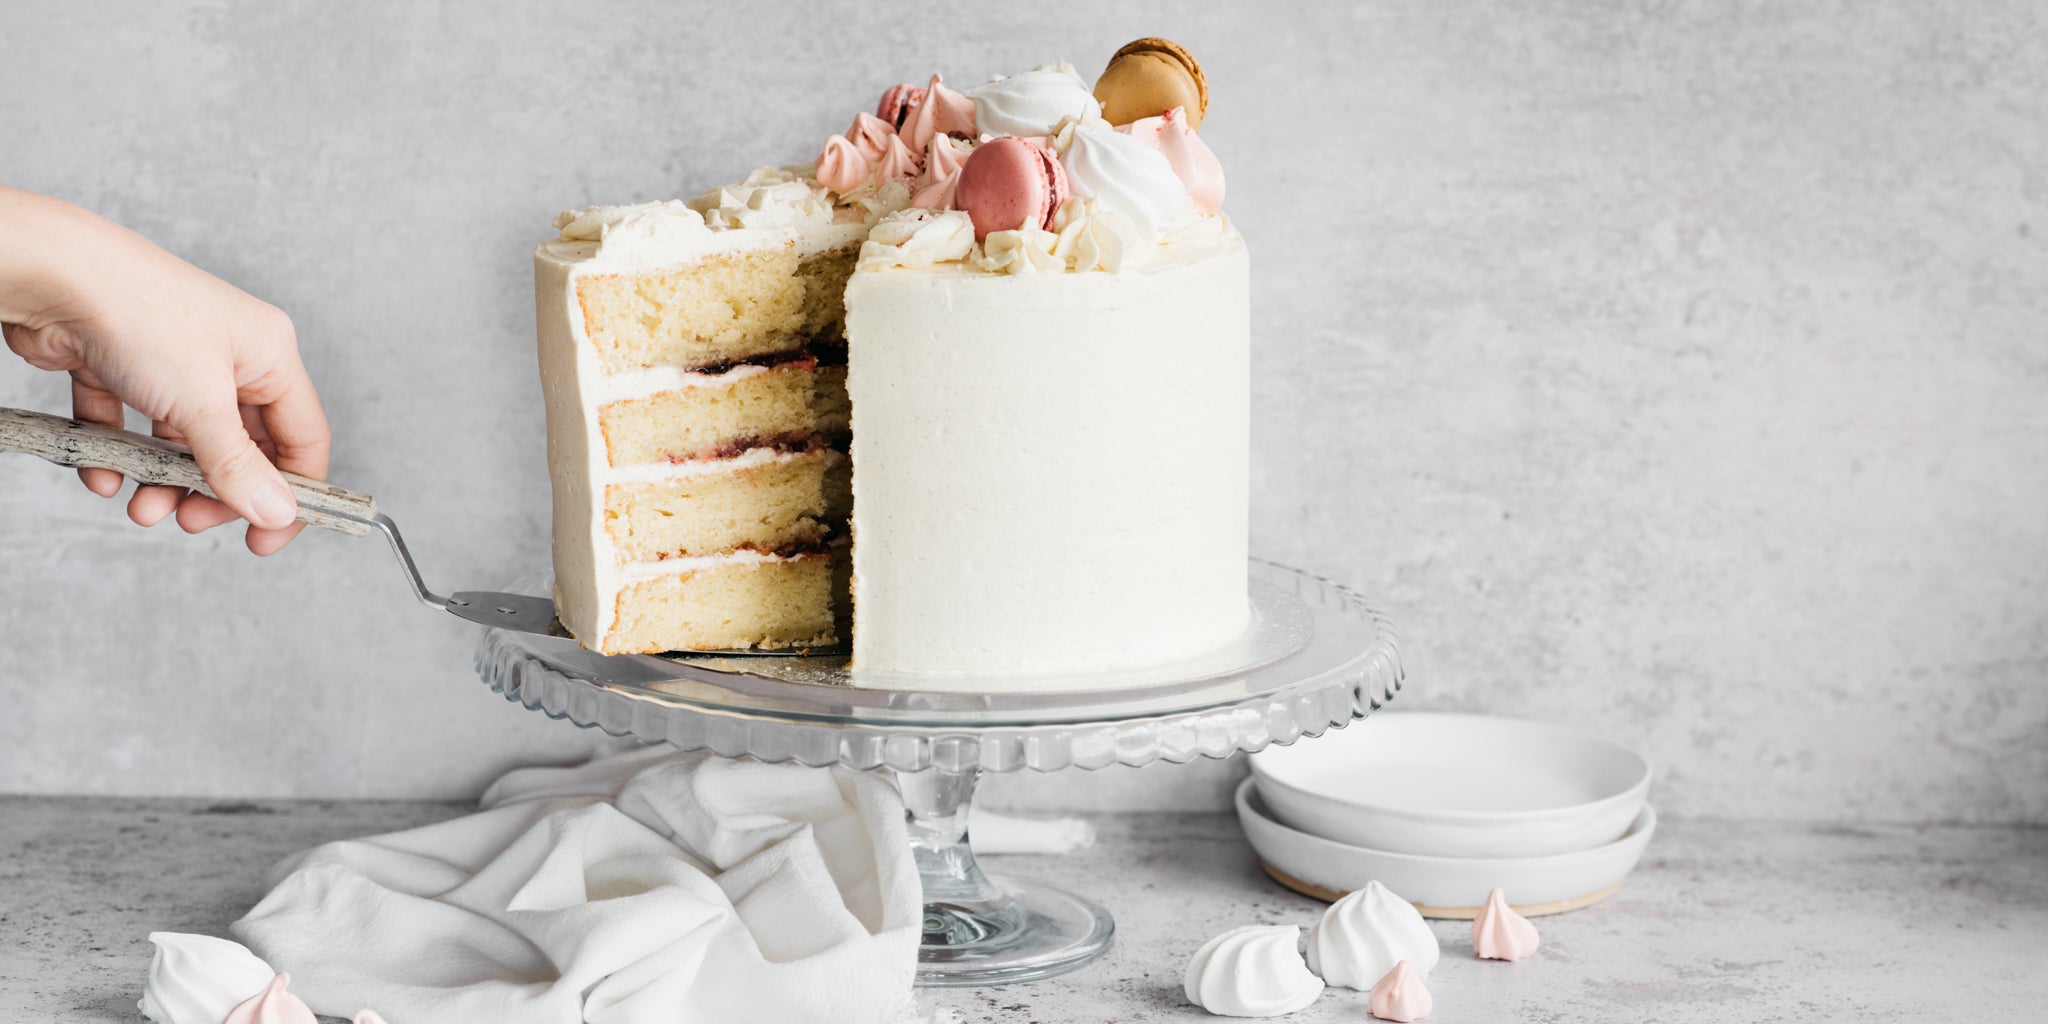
column 1362, row 936
column 197, row 979
column 274, row 1005
column 1252, row 971
column 1400, row 996
column 1499, row 933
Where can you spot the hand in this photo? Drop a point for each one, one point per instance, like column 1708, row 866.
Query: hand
column 208, row 364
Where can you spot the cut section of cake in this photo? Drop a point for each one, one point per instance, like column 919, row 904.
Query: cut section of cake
column 697, row 418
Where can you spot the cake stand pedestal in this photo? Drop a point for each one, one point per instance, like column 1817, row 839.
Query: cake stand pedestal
column 1313, row 657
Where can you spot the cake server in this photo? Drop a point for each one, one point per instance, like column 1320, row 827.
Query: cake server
column 153, row 460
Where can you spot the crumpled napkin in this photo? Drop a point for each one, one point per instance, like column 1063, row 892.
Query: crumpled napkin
column 653, row 886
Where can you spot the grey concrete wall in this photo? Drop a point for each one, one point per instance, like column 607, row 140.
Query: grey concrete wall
column 1675, row 369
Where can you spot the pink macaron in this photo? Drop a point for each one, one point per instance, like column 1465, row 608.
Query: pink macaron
column 897, row 101
column 1008, row 183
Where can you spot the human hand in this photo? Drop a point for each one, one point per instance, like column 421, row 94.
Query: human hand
column 207, row 363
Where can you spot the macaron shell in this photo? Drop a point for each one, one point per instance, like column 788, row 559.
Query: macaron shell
column 1150, row 76
column 1008, row 183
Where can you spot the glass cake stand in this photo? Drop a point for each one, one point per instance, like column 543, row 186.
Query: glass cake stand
column 1314, row 657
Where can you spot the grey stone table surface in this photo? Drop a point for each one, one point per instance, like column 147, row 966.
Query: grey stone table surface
column 1723, row 921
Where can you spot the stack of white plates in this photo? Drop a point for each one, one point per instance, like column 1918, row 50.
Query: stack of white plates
column 1441, row 808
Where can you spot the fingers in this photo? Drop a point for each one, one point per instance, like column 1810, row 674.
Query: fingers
column 198, row 513
column 152, row 502
column 296, row 426
column 94, row 404
column 235, row 468
column 284, row 416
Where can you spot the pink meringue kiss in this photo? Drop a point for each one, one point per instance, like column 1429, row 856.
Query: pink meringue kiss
column 897, row 101
column 1009, row 183
column 898, row 163
column 1498, row 933
column 1192, row 159
column 941, row 111
column 941, row 176
column 1400, row 996
column 273, row 1005
column 841, row 167
column 870, row 135
column 368, row 1017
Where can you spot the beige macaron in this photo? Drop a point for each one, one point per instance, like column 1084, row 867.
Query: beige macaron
column 1150, row 76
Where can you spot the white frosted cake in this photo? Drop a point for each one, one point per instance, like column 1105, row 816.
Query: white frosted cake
column 1041, row 320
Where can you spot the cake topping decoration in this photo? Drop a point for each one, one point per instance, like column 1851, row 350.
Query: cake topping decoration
column 1027, row 250
column 943, row 158
column 1362, row 936
column 1030, row 104
column 1192, row 160
column 1094, row 237
column 1010, row 183
column 938, row 111
column 1400, row 996
column 273, row 1005
column 897, row 101
column 1253, row 971
column 841, row 167
column 871, row 136
column 917, row 238
column 1498, row 933
column 898, row 163
column 1149, row 77
column 1127, row 175
column 769, row 197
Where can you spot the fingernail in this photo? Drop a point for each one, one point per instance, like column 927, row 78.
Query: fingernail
column 274, row 506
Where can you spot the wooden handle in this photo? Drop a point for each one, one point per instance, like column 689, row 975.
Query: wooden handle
column 153, row 460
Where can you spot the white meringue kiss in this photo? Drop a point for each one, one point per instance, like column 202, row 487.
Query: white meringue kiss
column 1031, row 103
column 1126, row 175
column 197, row 979
column 1362, row 936
column 1253, row 971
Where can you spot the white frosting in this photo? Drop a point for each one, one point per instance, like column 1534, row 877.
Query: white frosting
column 1027, row 250
column 1126, row 175
column 773, row 206
column 769, row 197
column 1362, row 936
column 1096, row 237
column 1253, row 971
column 918, row 238
column 197, row 979
column 1031, row 103
column 1050, row 473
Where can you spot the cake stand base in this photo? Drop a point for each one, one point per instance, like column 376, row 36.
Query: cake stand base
column 1036, row 932
column 980, row 930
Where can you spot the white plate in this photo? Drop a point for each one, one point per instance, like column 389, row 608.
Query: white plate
column 1442, row 886
column 1453, row 785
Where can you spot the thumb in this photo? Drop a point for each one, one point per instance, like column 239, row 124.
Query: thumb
column 235, row 468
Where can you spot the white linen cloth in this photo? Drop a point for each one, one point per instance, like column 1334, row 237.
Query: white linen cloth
column 651, row 886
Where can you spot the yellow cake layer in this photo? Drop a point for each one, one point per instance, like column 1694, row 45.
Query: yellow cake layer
column 719, row 310
column 831, row 408
column 839, row 490
column 715, row 418
column 824, row 305
column 771, row 506
column 785, row 603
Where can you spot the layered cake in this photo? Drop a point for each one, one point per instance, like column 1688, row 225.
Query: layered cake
column 970, row 392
